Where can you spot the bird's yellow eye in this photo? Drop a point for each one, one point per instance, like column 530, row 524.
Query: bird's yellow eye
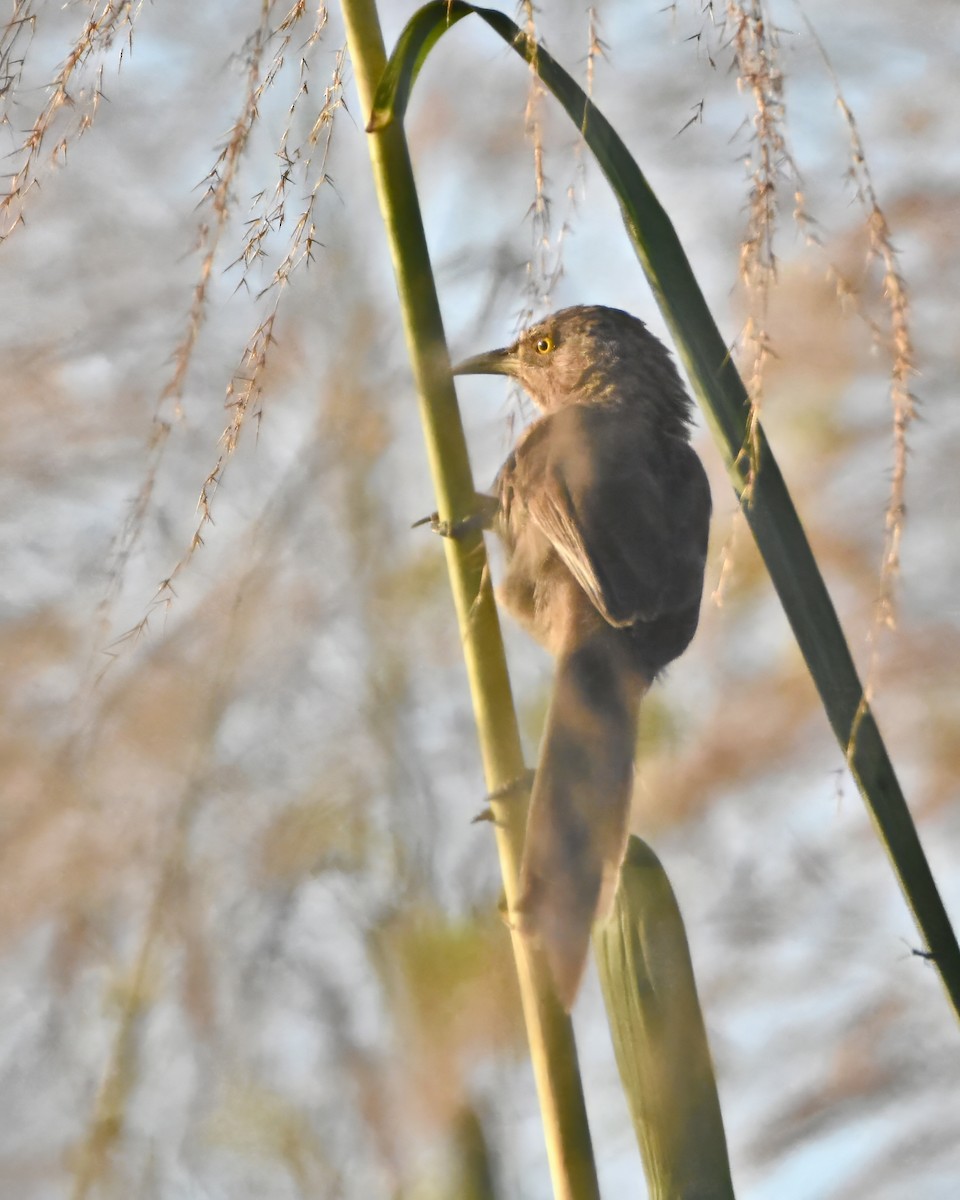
column 544, row 345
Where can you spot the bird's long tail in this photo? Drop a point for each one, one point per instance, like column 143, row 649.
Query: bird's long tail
column 579, row 810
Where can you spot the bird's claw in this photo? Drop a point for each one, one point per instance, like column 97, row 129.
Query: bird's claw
column 447, row 529
column 479, row 519
column 521, row 783
column 505, row 791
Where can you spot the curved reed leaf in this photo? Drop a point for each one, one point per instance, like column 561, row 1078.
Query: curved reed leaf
column 770, row 511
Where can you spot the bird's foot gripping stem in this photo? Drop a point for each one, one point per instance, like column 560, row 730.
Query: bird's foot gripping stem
column 481, row 518
column 506, row 791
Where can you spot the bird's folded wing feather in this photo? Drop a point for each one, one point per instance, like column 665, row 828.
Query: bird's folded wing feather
column 629, row 526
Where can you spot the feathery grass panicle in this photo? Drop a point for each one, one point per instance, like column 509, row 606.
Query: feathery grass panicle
column 770, row 166
column 217, row 200
column 899, row 343
column 597, row 49
column 302, row 165
column 754, row 42
column 216, row 203
column 542, row 271
column 897, row 340
column 70, row 91
column 245, row 389
column 74, row 92
column 545, row 267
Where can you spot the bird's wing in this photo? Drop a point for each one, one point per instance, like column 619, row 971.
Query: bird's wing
column 626, row 511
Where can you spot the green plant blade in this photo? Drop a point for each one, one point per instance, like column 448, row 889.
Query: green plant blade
column 771, row 514
column 658, row 1036
column 419, row 36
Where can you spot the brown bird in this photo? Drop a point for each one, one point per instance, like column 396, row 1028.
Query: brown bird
column 603, row 509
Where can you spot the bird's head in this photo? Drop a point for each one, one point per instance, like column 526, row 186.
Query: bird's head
column 590, row 354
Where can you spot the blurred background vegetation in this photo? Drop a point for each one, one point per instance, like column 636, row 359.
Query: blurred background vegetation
column 249, row 940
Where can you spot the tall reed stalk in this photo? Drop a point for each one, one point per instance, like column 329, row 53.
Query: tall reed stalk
column 549, row 1031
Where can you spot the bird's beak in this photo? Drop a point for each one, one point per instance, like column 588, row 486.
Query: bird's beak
column 492, row 362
